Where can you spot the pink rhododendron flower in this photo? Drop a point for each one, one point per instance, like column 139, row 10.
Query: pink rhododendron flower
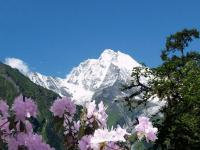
column 12, row 144
column 63, row 105
column 112, row 146
column 151, row 134
column 105, row 136
column 30, row 141
column 92, row 122
column 84, row 143
column 146, row 129
column 24, row 108
column 91, row 108
column 101, row 115
column 3, row 108
column 97, row 114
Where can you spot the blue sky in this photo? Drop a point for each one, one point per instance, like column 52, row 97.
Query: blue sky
column 54, row 36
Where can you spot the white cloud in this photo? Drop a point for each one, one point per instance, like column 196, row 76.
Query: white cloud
column 18, row 64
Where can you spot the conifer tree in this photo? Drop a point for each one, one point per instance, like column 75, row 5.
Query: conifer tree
column 176, row 81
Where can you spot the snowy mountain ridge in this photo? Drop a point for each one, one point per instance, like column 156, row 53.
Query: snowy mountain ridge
column 89, row 76
column 100, row 80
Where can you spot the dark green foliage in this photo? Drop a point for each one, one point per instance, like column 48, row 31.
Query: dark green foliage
column 177, row 81
column 178, row 42
column 55, row 140
column 7, row 90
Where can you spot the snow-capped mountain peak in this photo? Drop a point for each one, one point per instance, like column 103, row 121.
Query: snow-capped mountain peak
column 119, row 59
column 98, row 79
column 91, row 75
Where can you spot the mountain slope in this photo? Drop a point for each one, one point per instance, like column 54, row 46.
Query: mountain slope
column 99, row 79
column 14, row 83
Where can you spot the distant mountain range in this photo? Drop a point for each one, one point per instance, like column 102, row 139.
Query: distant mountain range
column 100, row 80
